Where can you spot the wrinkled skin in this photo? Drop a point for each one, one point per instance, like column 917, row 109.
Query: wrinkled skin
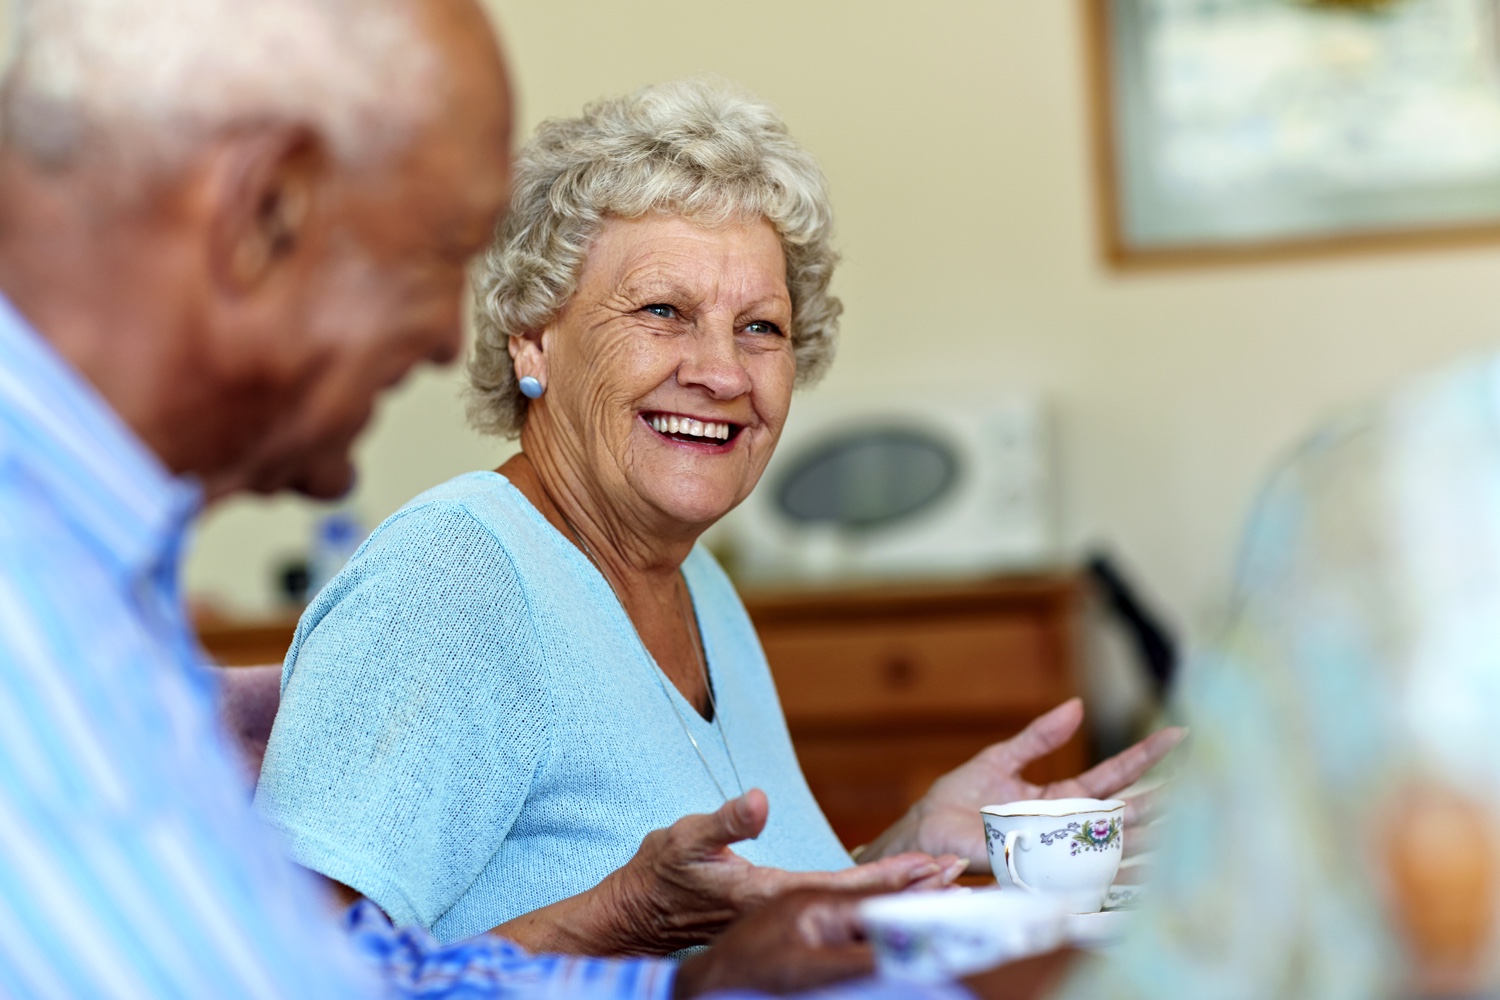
column 946, row 819
column 386, row 272
column 685, row 885
column 241, row 310
column 668, row 317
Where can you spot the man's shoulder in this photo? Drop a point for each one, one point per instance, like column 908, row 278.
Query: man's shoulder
column 43, row 562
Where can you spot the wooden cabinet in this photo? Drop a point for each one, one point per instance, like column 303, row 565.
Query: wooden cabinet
column 887, row 689
column 247, row 643
column 884, row 689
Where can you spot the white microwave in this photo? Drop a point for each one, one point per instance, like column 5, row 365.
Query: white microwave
column 866, row 487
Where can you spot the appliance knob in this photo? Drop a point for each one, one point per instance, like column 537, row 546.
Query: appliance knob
column 900, row 671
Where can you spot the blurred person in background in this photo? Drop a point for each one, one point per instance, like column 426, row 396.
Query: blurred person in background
column 225, row 227
column 524, row 672
column 1335, row 831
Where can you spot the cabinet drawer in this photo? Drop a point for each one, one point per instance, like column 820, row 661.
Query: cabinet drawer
column 943, row 667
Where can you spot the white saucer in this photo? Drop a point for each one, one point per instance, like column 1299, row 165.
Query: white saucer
column 1122, row 897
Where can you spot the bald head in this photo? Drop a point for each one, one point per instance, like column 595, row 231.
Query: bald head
column 153, row 76
column 287, row 249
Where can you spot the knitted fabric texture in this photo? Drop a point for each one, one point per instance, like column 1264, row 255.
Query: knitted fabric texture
column 470, row 727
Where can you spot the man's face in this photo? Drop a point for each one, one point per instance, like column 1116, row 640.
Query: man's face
column 383, row 289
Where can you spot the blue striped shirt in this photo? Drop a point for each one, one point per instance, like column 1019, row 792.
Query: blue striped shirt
column 131, row 864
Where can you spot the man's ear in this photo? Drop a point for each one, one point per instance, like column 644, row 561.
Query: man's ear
column 528, row 354
column 262, row 191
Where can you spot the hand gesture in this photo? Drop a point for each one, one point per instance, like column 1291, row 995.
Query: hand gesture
column 946, row 819
column 685, row 885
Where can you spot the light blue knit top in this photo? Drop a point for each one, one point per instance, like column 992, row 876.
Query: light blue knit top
column 470, row 727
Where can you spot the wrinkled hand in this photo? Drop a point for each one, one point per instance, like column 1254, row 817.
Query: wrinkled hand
column 685, row 885
column 946, row 820
column 797, row 942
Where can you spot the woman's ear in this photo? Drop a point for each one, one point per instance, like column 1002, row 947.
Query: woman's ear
column 529, row 356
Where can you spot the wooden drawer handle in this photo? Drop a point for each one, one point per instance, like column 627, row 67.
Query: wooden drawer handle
column 900, row 671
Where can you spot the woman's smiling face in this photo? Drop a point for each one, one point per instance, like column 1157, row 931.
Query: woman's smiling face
column 669, row 372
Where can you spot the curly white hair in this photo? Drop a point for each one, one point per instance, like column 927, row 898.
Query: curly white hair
column 699, row 148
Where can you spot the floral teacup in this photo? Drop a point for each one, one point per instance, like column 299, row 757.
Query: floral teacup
column 1066, row 848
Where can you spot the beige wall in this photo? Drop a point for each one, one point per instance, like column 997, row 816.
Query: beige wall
column 955, row 136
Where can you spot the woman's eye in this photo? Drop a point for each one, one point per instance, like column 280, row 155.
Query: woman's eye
column 762, row 326
column 661, row 309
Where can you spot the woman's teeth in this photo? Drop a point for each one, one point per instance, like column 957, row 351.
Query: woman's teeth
column 689, row 427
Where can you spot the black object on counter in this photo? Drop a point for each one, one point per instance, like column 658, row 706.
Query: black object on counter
column 1154, row 642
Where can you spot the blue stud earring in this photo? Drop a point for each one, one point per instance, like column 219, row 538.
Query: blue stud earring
column 531, row 388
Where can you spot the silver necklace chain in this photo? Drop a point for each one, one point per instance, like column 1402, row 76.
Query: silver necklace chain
column 660, row 677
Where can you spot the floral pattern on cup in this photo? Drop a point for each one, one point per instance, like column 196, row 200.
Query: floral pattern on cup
column 1097, row 835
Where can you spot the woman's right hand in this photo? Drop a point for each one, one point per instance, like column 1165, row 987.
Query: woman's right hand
column 684, row 885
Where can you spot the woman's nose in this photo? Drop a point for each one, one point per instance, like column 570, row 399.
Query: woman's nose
column 714, row 363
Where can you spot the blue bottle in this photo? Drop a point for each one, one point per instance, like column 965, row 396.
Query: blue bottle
column 336, row 536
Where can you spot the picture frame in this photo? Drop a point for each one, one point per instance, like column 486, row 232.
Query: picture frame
column 1275, row 129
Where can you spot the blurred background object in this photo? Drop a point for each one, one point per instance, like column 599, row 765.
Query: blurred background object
column 1233, row 128
column 936, row 481
column 295, row 583
column 1360, row 5
column 1441, row 853
column 1155, row 646
column 1129, row 655
column 335, row 537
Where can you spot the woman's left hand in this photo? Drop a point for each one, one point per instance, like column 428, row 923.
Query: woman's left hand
column 946, row 819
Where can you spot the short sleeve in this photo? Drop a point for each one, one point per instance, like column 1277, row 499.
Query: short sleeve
column 412, row 719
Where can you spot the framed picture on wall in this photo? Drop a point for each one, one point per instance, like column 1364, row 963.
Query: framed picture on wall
column 1242, row 129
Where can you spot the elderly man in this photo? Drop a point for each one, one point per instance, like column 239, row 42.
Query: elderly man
column 225, row 226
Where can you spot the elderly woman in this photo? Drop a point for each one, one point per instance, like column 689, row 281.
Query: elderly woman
column 524, row 672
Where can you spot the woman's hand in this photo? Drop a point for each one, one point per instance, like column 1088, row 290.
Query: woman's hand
column 685, row 885
column 946, row 819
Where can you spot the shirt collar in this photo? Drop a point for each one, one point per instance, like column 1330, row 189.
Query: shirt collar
column 92, row 466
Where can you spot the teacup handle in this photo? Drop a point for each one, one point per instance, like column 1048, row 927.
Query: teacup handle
column 1008, row 848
